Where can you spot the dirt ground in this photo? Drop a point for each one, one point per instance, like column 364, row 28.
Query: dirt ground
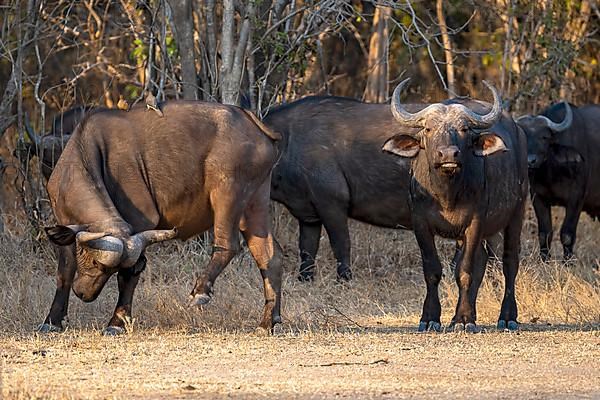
column 356, row 340
column 366, row 363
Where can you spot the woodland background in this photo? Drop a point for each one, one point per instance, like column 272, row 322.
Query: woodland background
column 356, row 340
column 258, row 53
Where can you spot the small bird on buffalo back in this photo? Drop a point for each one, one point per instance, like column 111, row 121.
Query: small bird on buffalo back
column 122, row 103
column 152, row 104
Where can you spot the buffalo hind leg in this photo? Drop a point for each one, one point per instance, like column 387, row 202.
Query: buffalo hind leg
column 432, row 271
column 128, row 279
column 266, row 252
column 310, row 234
column 543, row 215
column 336, row 225
column 228, row 207
column 510, row 267
column 67, row 265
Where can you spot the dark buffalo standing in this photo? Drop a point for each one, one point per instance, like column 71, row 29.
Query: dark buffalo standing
column 332, row 168
column 50, row 146
column 563, row 168
column 468, row 182
column 127, row 179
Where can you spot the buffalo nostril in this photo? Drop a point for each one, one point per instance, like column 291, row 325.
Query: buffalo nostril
column 456, row 153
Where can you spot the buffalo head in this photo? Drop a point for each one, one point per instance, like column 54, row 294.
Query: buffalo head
column 100, row 254
column 450, row 133
column 541, row 132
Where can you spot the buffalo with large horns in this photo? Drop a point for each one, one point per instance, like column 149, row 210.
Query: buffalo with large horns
column 468, row 182
column 126, row 180
column 563, row 168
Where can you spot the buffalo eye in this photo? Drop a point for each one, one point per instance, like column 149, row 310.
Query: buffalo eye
column 488, row 143
column 403, row 146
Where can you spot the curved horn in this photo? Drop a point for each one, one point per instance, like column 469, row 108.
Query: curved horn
column 523, row 117
column 489, row 119
column 84, row 236
column 561, row 126
column 104, row 248
column 415, row 120
column 138, row 242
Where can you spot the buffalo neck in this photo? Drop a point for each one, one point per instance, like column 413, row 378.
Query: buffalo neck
column 79, row 182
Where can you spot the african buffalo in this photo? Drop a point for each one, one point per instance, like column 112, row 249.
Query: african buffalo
column 332, row 168
column 129, row 179
column 563, row 168
column 468, row 181
column 50, row 146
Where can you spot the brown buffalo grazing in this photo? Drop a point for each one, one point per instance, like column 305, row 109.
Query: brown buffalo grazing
column 332, row 168
column 468, row 182
column 129, row 179
column 563, row 168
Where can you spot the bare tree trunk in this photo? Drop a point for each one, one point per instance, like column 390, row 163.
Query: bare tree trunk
column 234, row 58
column 575, row 32
column 377, row 88
column 25, row 32
column 211, row 43
column 447, row 48
column 184, row 29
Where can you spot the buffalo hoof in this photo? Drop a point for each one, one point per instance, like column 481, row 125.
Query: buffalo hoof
column 345, row 275
column 113, row 331
column 306, row 276
column 432, row 326
column 277, row 319
column 508, row 326
column 261, row 331
column 199, row 300
column 469, row 327
column 48, row 328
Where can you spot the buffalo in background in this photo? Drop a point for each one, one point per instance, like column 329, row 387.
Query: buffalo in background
column 332, row 169
column 564, row 162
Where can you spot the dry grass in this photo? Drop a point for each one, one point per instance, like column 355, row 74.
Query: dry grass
column 368, row 324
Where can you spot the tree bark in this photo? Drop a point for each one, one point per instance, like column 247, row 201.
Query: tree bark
column 377, row 88
column 25, row 33
column 447, row 48
column 234, row 58
column 184, row 30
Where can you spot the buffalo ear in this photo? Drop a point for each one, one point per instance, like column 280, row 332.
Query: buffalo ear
column 489, row 143
column 403, row 146
column 63, row 235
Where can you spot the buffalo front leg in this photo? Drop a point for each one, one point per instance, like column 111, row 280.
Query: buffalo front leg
column 228, row 205
column 543, row 213
column 510, row 267
column 310, row 235
column 128, row 279
column 568, row 230
column 67, row 265
column 469, row 273
column 432, row 271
